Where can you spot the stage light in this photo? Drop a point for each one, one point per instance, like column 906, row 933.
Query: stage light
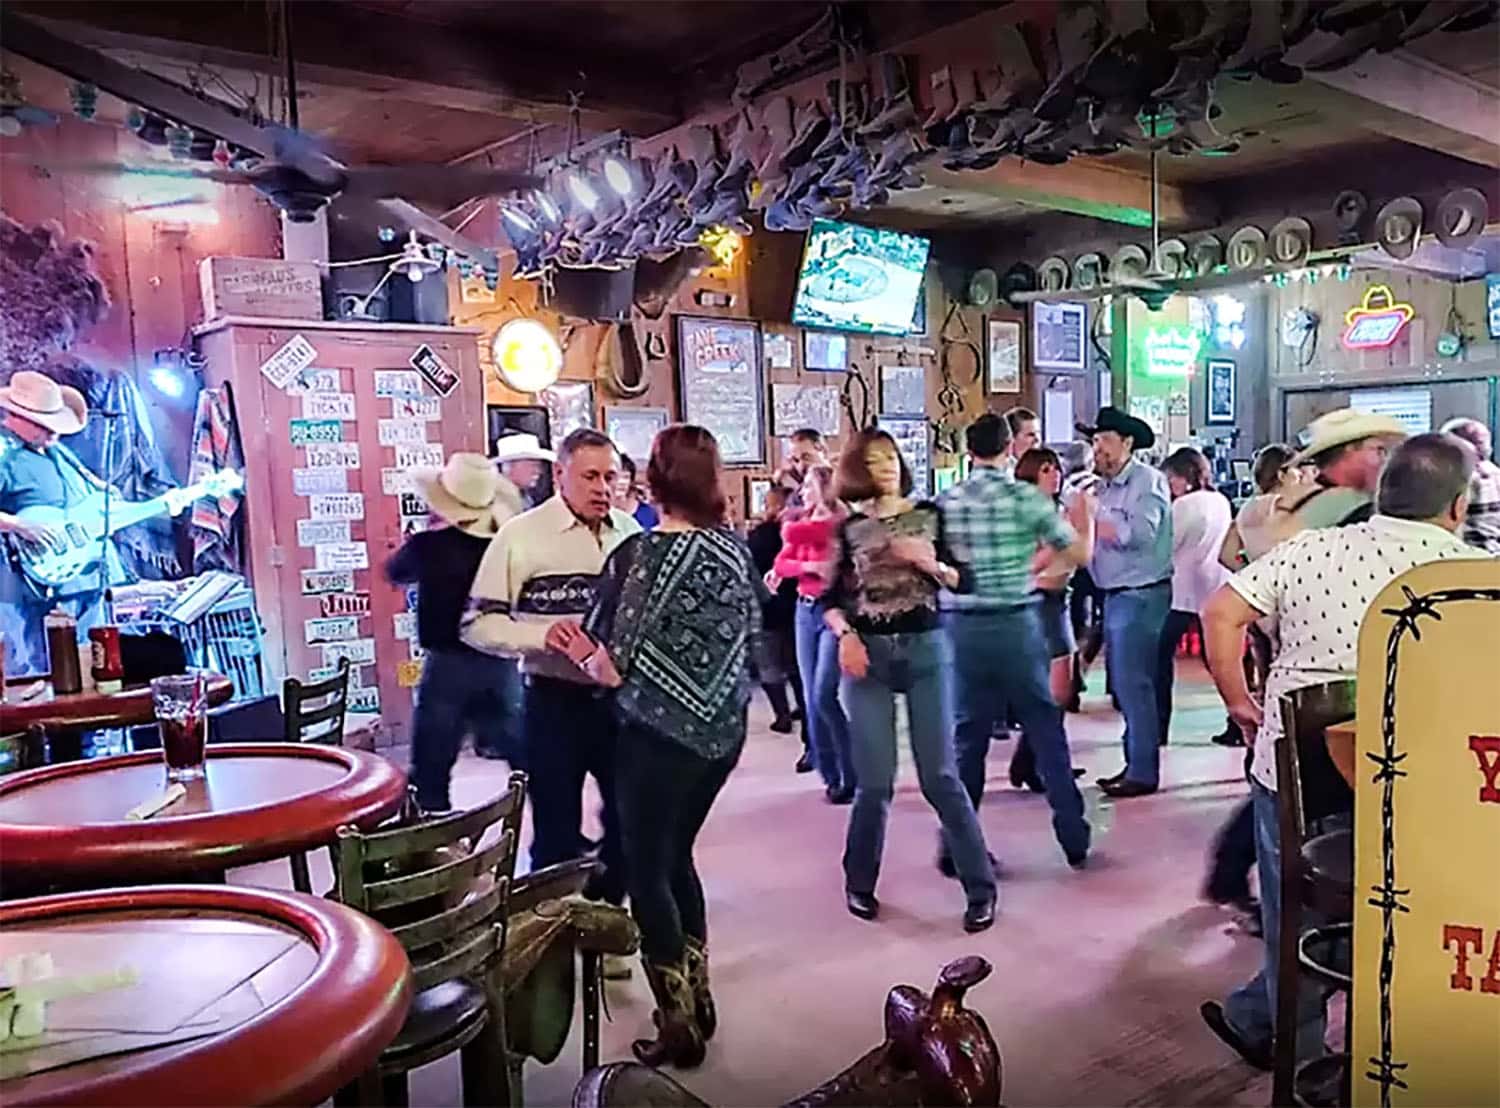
column 527, row 355
column 523, row 223
column 168, row 381
column 583, row 193
column 547, row 207
column 619, row 175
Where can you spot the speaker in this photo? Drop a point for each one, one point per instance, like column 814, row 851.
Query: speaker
column 424, row 301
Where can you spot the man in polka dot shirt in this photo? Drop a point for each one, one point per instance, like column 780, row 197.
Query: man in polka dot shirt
column 1318, row 585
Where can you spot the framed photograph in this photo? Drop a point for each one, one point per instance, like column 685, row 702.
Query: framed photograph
column 1003, row 354
column 795, row 406
column 1059, row 336
column 757, row 489
column 914, row 439
column 722, row 384
column 903, row 389
column 570, row 405
column 634, row 430
column 825, row 351
column 1220, row 390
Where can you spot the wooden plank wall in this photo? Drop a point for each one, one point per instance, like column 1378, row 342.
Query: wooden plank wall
column 150, row 266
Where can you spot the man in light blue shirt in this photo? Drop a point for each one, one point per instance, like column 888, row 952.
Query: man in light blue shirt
column 1132, row 565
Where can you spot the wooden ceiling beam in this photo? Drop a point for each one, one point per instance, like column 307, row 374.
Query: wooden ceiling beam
column 1404, row 96
column 1082, row 186
column 380, row 55
column 29, row 39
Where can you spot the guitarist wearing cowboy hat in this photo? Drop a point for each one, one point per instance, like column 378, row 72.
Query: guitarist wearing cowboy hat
column 36, row 470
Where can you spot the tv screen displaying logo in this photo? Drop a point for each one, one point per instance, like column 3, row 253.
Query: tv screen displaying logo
column 857, row 278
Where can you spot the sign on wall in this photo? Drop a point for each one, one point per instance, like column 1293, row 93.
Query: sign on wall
column 1426, row 999
column 1059, row 336
column 1376, row 321
column 914, row 440
column 796, row 406
column 721, row 383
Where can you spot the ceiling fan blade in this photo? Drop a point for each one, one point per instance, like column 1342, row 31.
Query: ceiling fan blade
column 424, row 181
column 1062, row 296
column 1191, row 286
column 156, row 169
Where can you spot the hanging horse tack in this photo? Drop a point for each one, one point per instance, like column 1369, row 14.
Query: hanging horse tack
column 619, row 351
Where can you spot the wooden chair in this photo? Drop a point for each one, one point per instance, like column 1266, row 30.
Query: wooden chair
column 313, row 712
column 444, row 894
column 1316, row 874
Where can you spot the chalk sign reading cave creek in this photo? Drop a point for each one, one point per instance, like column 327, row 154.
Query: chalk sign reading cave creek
column 720, row 369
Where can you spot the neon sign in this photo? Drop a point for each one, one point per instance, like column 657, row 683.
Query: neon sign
column 1171, row 351
column 1376, row 321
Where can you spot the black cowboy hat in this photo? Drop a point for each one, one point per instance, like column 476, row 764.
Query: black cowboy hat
column 1121, row 423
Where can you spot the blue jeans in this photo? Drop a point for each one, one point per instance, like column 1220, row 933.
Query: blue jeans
column 505, row 737
column 1251, row 1009
column 917, row 665
column 1133, row 621
column 460, row 694
column 827, row 727
column 1001, row 658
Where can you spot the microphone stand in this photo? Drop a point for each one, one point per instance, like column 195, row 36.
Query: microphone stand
column 109, row 488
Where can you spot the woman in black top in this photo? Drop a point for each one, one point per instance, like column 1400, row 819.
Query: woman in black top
column 670, row 631
column 883, row 606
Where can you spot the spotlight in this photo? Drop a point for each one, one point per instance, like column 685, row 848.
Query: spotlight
column 583, row 193
column 619, row 175
column 527, row 355
column 547, row 207
column 167, row 381
column 518, row 222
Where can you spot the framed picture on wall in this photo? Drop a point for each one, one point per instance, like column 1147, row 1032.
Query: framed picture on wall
column 825, row 351
column 722, row 384
column 757, row 489
column 903, row 389
column 914, row 439
column 634, row 430
column 570, row 405
column 1003, row 355
column 1059, row 336
column 1220, row 390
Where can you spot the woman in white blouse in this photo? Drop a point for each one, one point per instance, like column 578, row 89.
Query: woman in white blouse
column 1200, row 520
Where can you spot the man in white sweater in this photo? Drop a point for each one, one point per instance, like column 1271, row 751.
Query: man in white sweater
column 533, row 587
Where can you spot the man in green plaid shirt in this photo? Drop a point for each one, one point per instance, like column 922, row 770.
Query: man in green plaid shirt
column 995, row 525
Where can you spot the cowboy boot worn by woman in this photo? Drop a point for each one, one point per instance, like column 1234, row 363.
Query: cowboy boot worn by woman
column 695, row 958
column 678, row 1041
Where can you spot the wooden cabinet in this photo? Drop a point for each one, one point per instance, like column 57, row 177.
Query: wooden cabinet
column 326, row 497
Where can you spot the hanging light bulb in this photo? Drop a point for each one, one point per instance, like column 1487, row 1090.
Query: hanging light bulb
column 583, row 193
column 618, row 175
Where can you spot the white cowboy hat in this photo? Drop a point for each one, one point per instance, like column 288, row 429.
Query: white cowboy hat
column 463, row 492
column 37, row 397
column 1343, row 426
column 521, row 448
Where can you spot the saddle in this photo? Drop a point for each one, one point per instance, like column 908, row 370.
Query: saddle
column 936, row 1053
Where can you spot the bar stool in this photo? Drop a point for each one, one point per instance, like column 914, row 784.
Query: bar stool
column 1316, row 877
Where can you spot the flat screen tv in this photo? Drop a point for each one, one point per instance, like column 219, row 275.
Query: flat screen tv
column 854, row 278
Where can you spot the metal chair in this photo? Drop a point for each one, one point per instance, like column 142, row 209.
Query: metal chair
column 444, row 894
column 1316, row 874
column 313, row 712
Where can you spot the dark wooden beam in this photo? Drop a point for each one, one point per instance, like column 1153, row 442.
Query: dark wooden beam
column 346, row 47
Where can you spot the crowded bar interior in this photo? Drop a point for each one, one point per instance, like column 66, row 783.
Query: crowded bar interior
column 512, row 512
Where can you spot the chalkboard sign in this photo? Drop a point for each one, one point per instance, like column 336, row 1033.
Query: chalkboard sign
column 1058, row 334
column 914, row 440
column 719, row 371
column 794, row 407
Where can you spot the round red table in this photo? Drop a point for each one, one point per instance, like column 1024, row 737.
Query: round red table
column 323, row 1010
column 65, row 825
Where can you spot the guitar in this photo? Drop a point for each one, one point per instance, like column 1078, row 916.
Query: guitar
column 81, row 528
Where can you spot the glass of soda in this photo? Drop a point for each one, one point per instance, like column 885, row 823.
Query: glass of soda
column 180, row 713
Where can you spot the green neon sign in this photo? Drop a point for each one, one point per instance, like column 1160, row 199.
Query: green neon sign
column 1172, row 351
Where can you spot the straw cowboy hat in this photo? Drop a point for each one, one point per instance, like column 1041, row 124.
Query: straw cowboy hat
column 468, row 493
column 521, row 448
column 37, row 397
column 1338, row 428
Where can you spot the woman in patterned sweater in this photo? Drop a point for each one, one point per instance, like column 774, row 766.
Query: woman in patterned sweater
column 670, row 631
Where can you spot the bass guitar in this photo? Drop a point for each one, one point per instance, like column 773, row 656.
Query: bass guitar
column 80, row 530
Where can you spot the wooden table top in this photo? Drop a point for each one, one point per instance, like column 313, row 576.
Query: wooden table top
column 66, row 825
column 91, row 709
column 287, row 997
